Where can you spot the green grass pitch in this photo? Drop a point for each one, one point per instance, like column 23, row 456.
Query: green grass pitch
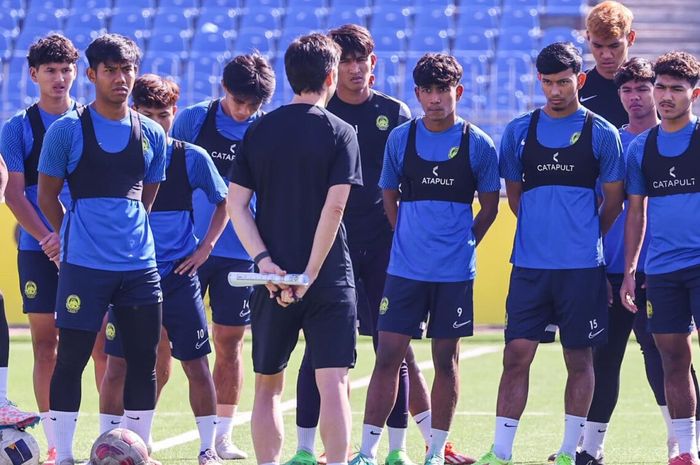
column 637, row 433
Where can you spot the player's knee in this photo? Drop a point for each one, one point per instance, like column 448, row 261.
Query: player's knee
column 44, row 350
column 446, row 365
column 269, row 385
column 116, row 370
column 228, row 341
column 517, row 357
column 388, row 359
column 197, row 371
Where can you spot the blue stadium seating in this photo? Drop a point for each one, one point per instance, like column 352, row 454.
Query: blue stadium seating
column 519, row 40
column 8, row 5
column 519, row 18
column 434, row 16
column 303, row 16
column 389, row 17
column 222, row 4
column 81, row 38
column 260, row 17
column 477, row 42
column 307, row 3
column 214, row 18
column 562, row 34
column 389, row 40
column 348, row 4
column 252, row 39
column 387, row 72
column 8, row 23
column 428, row 40
column 522, row 4
column 476, row 18
column 4, row 47
column 211, row 43
column 85, row 20
column 171, row 20
column 129, row 20
column 42, row 21
column 564, row 7
column 178, row 4
column 339, row 16
column 93, row 5
column 168, row 42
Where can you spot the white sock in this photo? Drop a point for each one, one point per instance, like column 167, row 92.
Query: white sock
column 423, row 422
column 207, row 430
column 338, row 463
column 109, row 422
column 504, row 437
column 594, row 438
column 64, row 424
column 573, row 428
column 671, row 441
column 270, row 463
column 306, row 439
column 3, row 384
column 397, row 438
column 225, row 425
column 684, row 430
column 697, row 435
column 48, row 425
column 139, row 421
column 371, row 435
column 438, row 439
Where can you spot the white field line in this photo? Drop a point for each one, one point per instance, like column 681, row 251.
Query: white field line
column 244, row 417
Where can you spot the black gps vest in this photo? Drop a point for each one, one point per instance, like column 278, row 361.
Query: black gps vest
column 175, row 193
column 574, row 166
column 103, row 174
column 450, row 180
column 671, row 175
column 221, row 149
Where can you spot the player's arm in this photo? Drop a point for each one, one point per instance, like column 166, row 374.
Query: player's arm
column 3, row 179
column 514, row 190
column 23, row 210
column 155, row 173
column 488, row 183
column 635, row 227
column 49, row 189
column 390, row 198
column 509, row 165
column 611, row 205
column 487, row 214
column 150, row 191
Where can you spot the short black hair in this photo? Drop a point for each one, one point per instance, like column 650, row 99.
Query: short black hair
column 250, row 76
column 353, row 40
column 53, row 48
column 113, row 48
column 681, row 65
column 308, row 60
column 437, row 69
column 153, row 91
column 558, row 57
column 635, row 69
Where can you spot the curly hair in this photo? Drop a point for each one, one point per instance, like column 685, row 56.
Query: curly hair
column 153, row 91
column 437, row 69
column 636, row 69
column 53, row 48
column 680, row 65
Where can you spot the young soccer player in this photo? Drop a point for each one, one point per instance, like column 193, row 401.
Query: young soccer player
column 218, row 126
column 610, row 35
column 188, row 167
column 52, row 67
column 302, row 178
column 662, row 168
column 551, row 159
column 113, row 160
column 437, row 161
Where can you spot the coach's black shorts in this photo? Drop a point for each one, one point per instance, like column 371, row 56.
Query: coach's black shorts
column 327, row 316
column 229, row 305
column 575, row 300
column 38, row 281
column 673, row 301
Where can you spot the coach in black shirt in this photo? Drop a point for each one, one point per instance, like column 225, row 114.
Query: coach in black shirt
column 300, row 161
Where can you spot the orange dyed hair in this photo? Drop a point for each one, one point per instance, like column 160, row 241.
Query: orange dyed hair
column 610, row 20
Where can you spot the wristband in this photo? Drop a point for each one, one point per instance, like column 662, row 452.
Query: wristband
column 260, row 256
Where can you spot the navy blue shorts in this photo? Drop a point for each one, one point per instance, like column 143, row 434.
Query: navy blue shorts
column 183, row 319
column 327, row 316
column 38, row 281
column 85, row 293
column 574, row 300
column 369, row 269
column 673, row 301
column 407, row 302
column 229, row 305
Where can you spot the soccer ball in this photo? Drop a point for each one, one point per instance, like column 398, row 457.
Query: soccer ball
column 119, row 447
column 18, row 448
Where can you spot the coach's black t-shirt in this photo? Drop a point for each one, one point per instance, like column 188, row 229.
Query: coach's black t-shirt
column 373, row 120
column 600, row 96
column 291, row 157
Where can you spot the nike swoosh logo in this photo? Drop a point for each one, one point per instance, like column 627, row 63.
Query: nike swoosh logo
column 53, row 418
column 244, row 313
column 112, row 422
column 374, row 433
column 200, row 344
column 602, row 430
column 585, row 99
column 133, row 418
column 510, row 426
column 456, row 325
column 591, row 335
column 421, row 421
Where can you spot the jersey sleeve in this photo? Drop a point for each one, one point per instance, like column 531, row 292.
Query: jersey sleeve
column 392, row 166
column 484, row 162
column 58, row 153
column 634, row 179
column 156, row 168
column 188, row 123
column 203, row 175
column 509, row 165
column 12, row 144
column 346, row 168
column 607, row 147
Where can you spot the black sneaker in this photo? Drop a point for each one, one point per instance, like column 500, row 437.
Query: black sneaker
column 584, row 458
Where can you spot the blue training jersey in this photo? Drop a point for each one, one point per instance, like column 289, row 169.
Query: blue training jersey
column 558, row 226
column 433, row 240
column 173, row 231
column 673, row 221
column 111, row 234
column 614, row 240
column 187, row 127
column 15, row 145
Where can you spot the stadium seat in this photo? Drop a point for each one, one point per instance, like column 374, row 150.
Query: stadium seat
column 348, row 4
column 47, row 5
column 250, row 39
column 427, row 40
column 5, row 48
column 288, row 35
column 339, row 16
column 434, row 16
column 304, row 16
column 521, row 4
column 470, row 18
column 85, row 20
column 129, row 21
column 283, row 91
column 93, row 5
column 406, row 84
column 387, row 73
column 389, row 40
column 9, row 5
column 171, row 20
column 477, row 42
column 14, row 88
column 205, row 65
column 166, row 65
column 307, row 4
column 168, row 42
column 519, row 18
column 211, row 43
column 215, row 18
column 261, row 18
column 81, row 37
column 562, row 34
column 222, row 4
column 518, row 40
column 42, row 21
column 27, row 37
column 130, row 4
column 8, row 23
column 178, row 4
column 565, row 7
column 389, row 17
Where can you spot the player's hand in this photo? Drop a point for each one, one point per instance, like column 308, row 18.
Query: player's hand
column 192, row 263
column 51, row 245
column 627, row 293
column 610, row 292
column 266, row 265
